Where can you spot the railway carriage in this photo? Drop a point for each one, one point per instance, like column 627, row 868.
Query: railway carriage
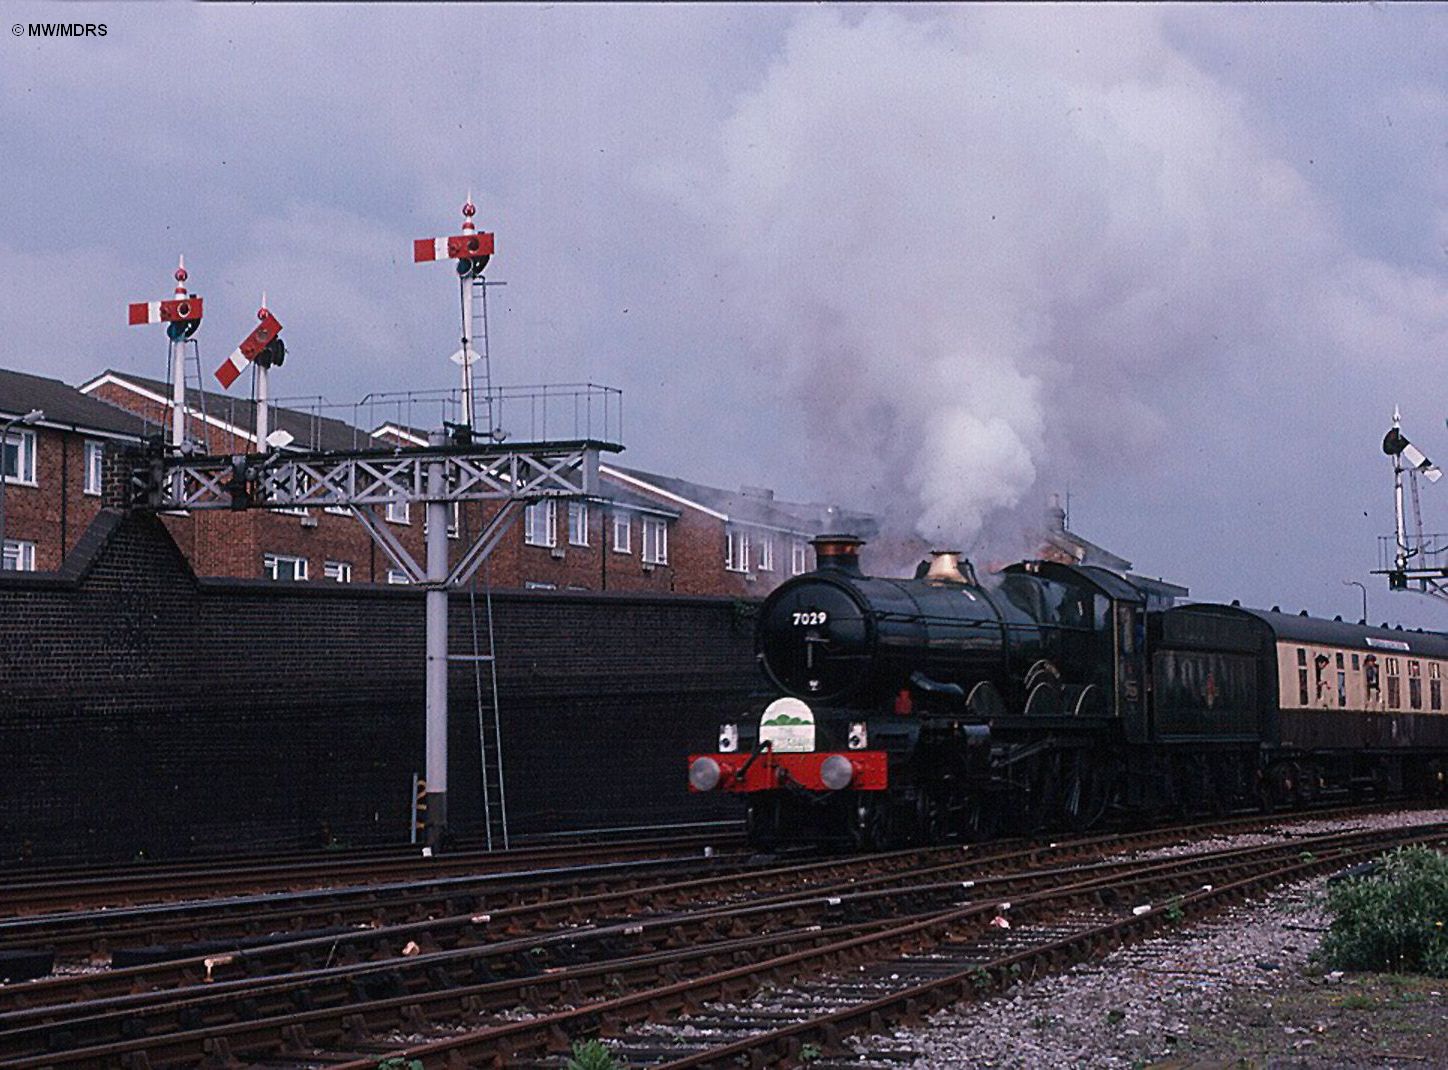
column 934, row 707
column 1334, row 707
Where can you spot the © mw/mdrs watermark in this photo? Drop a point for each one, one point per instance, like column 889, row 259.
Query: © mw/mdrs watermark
column 59, row 29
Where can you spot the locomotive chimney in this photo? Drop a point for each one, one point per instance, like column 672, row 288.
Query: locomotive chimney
column 840, row 552
column 945, row 567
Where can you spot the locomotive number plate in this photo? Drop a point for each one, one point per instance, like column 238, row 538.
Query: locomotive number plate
column 809, row 618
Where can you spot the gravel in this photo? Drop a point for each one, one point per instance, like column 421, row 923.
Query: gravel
column 1131, row 1008
column 1148, row 1002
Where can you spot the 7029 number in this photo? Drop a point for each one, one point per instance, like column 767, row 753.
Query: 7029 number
column 810, row 617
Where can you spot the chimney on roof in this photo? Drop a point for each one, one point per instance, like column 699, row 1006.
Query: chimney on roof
column 839, row 552
column 757, row 492
column 1055, row 515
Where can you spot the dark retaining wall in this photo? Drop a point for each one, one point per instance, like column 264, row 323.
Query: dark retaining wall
column 144, row 709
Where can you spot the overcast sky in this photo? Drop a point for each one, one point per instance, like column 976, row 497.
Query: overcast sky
column 939, row 263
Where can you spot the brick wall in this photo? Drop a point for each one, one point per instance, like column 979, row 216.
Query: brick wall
column 144, row 709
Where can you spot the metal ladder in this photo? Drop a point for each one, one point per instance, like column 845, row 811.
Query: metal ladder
column 490, row 728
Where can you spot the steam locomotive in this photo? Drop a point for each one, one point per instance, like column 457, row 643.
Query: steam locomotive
column 939, row 707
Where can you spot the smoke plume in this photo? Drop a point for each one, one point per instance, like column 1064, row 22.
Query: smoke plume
column 992, row 247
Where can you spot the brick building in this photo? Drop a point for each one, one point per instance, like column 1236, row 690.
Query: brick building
column 644, row 533
column 52, row 467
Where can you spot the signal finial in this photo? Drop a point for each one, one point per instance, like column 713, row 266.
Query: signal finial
column 262, row 313
column 181, row 277
column 469, row 210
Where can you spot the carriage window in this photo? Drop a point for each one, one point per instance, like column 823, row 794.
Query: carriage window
column 1395, row 686
column 1339, row 660
column 1435, row 687
column 1354, row 663
column 1415, row 685
column 1302, row 655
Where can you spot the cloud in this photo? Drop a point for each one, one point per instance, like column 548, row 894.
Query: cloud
column 932, row 261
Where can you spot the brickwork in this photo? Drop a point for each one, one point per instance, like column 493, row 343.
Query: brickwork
column 144, row 709
column 55, row 511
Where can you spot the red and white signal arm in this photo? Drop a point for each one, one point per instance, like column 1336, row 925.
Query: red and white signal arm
column 181, row 310
column 459, row 247
column 265, row 333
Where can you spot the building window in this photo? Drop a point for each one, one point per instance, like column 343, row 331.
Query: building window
column 397, row 577
column 340, row 571
column 538, row 585
column 656, row 541
column 17, row 461
column 766, row 553
column 454, row 520
column 95, row 452
column 736, row 550
column 578, row 523
column 540, row 523
column 798, row 559
column 284, row 567
column 622, row 532
column 399, row 512
column 303, row 486
column 18, row 556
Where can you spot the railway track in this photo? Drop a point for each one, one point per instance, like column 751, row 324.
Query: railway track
column 513, row 988
column 367, row 918
column 28, row 891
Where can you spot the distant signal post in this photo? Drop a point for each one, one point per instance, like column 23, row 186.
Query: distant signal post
column 181, row 315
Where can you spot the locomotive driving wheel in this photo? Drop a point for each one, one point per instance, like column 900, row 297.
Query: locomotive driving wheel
column 1091, row 782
